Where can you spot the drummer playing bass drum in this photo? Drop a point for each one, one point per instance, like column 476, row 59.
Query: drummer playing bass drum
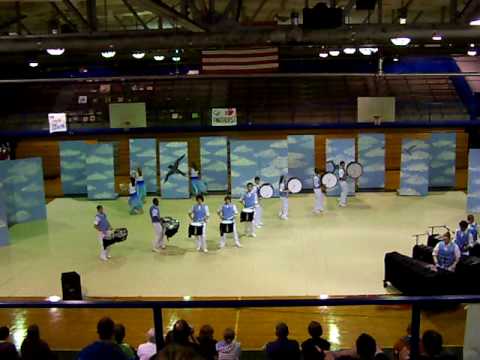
column 102, row 225
column 227, row 213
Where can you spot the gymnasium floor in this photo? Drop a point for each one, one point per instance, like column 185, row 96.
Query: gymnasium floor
column 337, row 253
column 340, row 252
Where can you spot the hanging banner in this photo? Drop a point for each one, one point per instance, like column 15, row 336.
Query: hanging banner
column 224, row 117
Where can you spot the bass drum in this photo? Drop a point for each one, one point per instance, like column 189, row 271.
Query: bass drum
column 294, row 185
column 266, row 191
column 354, row 170
column 329, row 180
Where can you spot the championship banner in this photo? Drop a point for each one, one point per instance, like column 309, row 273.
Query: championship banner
column 224, row 117
column 57, row 122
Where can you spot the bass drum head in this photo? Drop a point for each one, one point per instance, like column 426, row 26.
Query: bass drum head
column 331, row 167
column 294, row 185
column 266, row 191
column 329, row 180
column 354, row 170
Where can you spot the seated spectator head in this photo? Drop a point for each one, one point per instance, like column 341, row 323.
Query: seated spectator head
column 205, row 333
column 151, row 336
column 181, row 332
column 229, row 335
column 119, row 333
column 33, row 332
column 281, row 330
column 432, row 342
column 105, row 328
column 470, row 219
column 4, row 333
column 315, row 329
column 366, row 347
column 463, row 225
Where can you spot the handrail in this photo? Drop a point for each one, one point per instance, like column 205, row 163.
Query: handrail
column 244, row 303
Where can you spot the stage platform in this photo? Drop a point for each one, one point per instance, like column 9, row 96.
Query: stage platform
column 338, row 253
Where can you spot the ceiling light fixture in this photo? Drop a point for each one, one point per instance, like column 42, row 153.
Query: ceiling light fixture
column 55, row 52
column 437, row 37
column 158, row 57
column 33, row 64
column 475, row 22
column 323, row 54
column 365, row 51
column 138, row 55
column 395, row 59
column 472, row 51
column 400, row 41
column 349, row 51
column 334, row 52
column 108, row 54
column 176, row 58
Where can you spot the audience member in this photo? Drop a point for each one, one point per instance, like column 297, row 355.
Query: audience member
column 206, row 343
column 228, row 348
column 180, row 344
column 401, row 349
column 282, row 348
column 34, row 348
column 365, row 349
column 432, row 344
column 105, row 347
column 315, row 347
column 119, row 334
column 147, row 350
column 8, row 351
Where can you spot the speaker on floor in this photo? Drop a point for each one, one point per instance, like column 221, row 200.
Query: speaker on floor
column 71, row 286
column 365, row 4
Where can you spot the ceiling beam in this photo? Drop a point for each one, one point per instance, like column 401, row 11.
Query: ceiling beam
column 120, row 22
column 347, row 9
column 406, row 6
column 453, row 10
column 469, row 11
column 77, row 13
column 63, row 16
column 92, row 14
column 154, row 39
column 258, row 10
column 417, row 17
column 380, row 11
column 135, row 15
column 159, row 7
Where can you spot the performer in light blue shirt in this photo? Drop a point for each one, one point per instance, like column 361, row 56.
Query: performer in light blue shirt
column 283, row 192
column 140, row 185
column 472, row 227
column 446, row 253
column 200, row 214
column 228, row 212
column 249, row 201
column 102, row 225
column 158, row 242
column 463, row 238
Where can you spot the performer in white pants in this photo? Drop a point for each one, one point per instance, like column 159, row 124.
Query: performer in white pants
column 228, row 212
column 102, row 225
column 283, row 192
column 200, row 214
column 158, row 242
column 250, row 201
column 342, row 180
column 258, row 208
column 318, row 192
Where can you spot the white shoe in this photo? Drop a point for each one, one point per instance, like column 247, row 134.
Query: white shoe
column 103, row 258
column 238, row 245
column 342, row 205
column 284, row 217
column 205, row 250
column 164, row 247
column 198, row 248
column 253, row 235
column 261, row 224
column 109, row 256
column 156, row 250
column 221, row 246
column 258, row 226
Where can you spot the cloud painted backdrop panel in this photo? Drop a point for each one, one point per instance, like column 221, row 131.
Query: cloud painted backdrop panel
column 338, row 150
column 301, row 158
column 143, row 153
column 174, row 180
column 214, row 162
column 101, row 172
column 73, row 156
column 415, row 167
column 4, row 235
column 473, row 194
column 442, row 163
column 371, row 154
column 24, row 190
column 249, row 158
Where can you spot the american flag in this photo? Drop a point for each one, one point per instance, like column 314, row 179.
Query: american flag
column 240, row 61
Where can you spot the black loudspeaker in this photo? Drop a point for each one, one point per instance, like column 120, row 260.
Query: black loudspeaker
column 71, row 286
column 365, row 4
column 322, row 17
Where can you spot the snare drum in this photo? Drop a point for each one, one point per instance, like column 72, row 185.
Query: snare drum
column 247, row 215
column 329, row 180
column 112, row 237
column 195, row 229
column 266, row 191
column 226, row 227
column 354, row 169
column 294, row 185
